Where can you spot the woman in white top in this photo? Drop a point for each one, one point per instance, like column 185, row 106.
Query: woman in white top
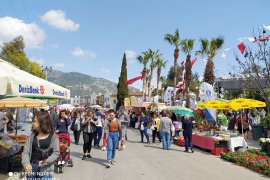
column 88, row 127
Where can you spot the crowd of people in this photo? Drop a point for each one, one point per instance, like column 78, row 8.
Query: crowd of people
column 42, row 147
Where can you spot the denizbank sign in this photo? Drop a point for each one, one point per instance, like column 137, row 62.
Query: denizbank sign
column 29, row 89
column 59, row 93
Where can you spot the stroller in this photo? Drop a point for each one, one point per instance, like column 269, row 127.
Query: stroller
column 64, row 157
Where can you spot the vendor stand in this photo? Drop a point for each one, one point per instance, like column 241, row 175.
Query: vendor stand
column 11, row 145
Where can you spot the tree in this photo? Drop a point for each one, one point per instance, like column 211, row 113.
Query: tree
column 122, row 89
column 13, row 52
column 209, row 50
column 160, row 63
column 144, row 61
column 174, row 39
column 195, row 85
column 187, row 46
column 254, row 65
column 151, row 55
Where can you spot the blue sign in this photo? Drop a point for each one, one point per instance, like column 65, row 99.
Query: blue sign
column 58, row 93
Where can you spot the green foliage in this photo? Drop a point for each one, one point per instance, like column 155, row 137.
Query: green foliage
column 209, row 49
column 13, row 52
column 122, row 89
column 173, row 39
column 170, row 76
column 266, row 121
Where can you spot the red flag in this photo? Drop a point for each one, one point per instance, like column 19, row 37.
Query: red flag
column 193, row 61
column 183, row 62
column 131, row 81
column 241, row 47
column 261, row 39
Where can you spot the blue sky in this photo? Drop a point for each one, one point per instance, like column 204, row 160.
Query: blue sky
column 91, row 36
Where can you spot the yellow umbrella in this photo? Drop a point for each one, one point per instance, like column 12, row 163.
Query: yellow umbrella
column 243, row 103
column 213, row 104
column 19, row 102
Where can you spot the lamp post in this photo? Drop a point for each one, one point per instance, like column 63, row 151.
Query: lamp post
column 45, row 70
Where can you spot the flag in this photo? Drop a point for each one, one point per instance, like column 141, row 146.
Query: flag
column 183, row 62
column 241, row 47
column 261, row 39
column 193, row 61
column 131, row 81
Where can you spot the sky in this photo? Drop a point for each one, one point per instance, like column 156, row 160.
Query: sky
column 91, row 37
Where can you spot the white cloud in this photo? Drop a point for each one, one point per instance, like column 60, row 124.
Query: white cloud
column 58, row 65
column 225, row 52
column 250, row 39
column 78, row 52
column 40, row 61
column 105, row 70
column 267, row 27
column 58, row 19
column 12, row 27
column 130, row 54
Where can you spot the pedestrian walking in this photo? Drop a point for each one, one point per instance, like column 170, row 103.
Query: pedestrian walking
column 144, row 121
column 62, row 123
column 165, row 129
column 99, row 127
column 88, row 127
column 41, row 149
column 115, row 134
column 187, row 127
column 76, row 126
column 155, row 127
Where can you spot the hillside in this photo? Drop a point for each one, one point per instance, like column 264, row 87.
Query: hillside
column 81, row 84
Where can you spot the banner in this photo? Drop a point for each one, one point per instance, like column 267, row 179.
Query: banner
column 127, row 102
column 168, row 96
column 131, row 81
column 208, row 94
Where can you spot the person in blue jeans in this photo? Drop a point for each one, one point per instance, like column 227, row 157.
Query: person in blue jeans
column 115, row 134
column 165, row 129
column 187, row 127
column 99, row 127
column 144, row 121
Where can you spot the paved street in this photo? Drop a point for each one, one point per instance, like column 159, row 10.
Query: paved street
column 141, row 161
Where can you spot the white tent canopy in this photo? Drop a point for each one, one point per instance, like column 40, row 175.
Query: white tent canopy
column 16, row 82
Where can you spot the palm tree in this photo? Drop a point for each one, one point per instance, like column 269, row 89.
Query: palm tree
column 187, row 46
column 163, row 84
column 195, row 85
column 160, row 63
column 150, row 55
column 174, row 39
column 210, row 49
column 144, row 61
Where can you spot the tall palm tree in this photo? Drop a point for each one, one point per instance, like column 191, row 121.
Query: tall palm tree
column 163, row 85
column 160, row 63
column 209, row 49
column 144, row 61
column 150, row 55
column 187, row 46
column 174, row 39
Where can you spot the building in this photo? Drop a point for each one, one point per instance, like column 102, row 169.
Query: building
column 134, row 94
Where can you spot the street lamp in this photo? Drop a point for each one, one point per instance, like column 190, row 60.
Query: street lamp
column 46, row 69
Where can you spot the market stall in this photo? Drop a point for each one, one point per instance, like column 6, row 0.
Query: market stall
column 11, row 145
column 16, row 82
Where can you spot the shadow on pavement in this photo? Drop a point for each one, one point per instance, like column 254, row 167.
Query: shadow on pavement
column 157, row 147
column 93, row 159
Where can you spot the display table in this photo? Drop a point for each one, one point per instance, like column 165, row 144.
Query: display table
column 236, row 142
column 209, row 143
column 203, row 142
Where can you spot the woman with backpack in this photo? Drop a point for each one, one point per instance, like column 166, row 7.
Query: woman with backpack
column 76, row 126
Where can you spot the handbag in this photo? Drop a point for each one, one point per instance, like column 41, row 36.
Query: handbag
column 142, row 127
column 72, row 127
column 45, row 153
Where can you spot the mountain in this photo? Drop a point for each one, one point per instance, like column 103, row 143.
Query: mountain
column 82, row 84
